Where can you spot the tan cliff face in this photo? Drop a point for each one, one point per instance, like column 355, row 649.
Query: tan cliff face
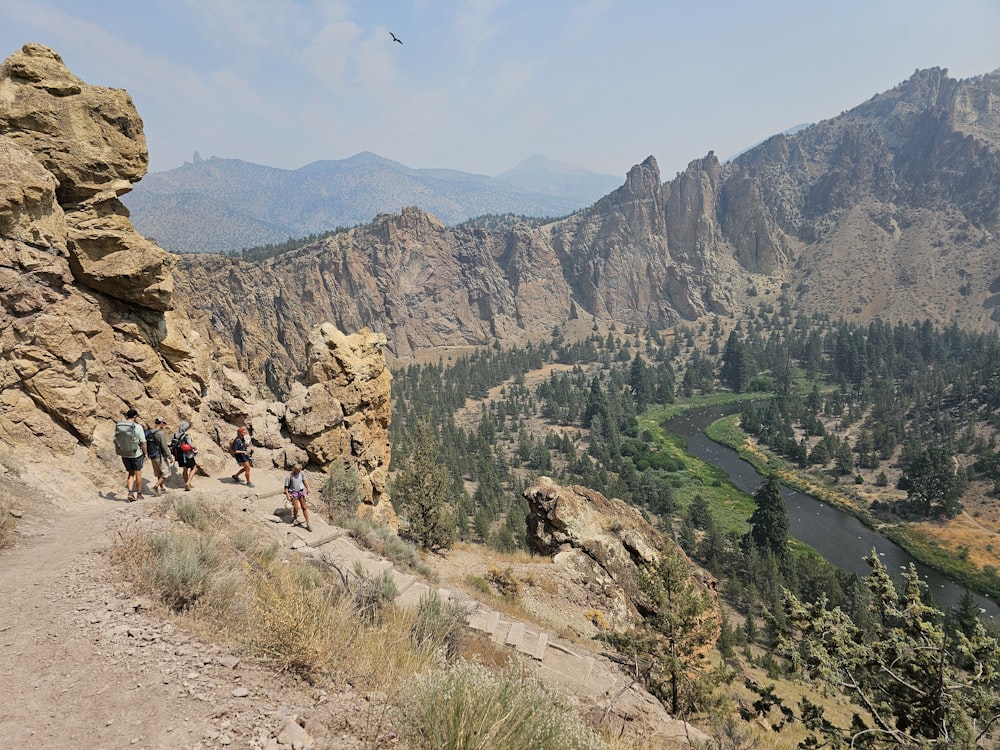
column 88, row 321
column 891, row 210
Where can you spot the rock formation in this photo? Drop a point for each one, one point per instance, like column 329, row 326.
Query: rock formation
column 89, row 325
column 599, row 540
column 890, row 210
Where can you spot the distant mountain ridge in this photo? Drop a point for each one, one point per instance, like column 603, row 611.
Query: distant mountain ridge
column 890, row 211
column 220, row 205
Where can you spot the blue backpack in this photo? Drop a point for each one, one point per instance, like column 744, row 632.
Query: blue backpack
column 152, row 444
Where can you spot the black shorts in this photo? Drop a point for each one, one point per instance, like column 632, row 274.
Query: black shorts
column 133, row 464
column 185, row 460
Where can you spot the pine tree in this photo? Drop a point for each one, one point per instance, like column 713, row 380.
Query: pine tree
column 932, row 481
column 677, row 629
column 769, row 521
column 921, row 684
column 422, row 493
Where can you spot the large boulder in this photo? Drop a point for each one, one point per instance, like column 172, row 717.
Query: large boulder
column 341, row 414
column 90, row 139
column 601, row 540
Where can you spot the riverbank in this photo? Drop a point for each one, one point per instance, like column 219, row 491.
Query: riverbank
column 726, row 431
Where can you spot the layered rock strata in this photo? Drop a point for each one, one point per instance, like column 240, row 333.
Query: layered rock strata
column 88, row 321
column 890, row 210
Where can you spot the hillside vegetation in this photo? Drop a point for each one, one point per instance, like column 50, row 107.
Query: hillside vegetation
column 899, row 421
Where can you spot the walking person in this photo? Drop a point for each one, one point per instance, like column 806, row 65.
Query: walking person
column 296, row 489
column 130, row 444
column 158, row 452
column 243, row 454
column 184, row 453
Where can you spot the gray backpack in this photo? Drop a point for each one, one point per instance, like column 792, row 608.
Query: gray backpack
column 126, row 440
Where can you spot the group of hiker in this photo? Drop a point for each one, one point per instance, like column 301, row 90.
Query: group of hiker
column 135, row 444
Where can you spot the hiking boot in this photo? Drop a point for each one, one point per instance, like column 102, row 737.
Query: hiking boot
column 139, row 497
column 250, row 484
column 308, row 527
column 187, row 486
column 236, row 478
column 131, row 497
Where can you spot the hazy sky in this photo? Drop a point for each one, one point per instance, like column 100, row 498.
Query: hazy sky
column 478, row 85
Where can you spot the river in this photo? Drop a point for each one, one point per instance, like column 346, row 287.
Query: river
column 835, row 534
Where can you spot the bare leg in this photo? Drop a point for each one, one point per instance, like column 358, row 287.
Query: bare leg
column 305, row 510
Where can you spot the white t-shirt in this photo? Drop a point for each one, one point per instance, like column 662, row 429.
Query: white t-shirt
column 296, row 482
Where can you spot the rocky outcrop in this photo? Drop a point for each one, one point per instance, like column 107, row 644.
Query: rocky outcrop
column 891, row 209
column 602, row 541
column 89, row 326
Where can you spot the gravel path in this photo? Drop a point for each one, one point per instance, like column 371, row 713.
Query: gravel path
column 86, row 666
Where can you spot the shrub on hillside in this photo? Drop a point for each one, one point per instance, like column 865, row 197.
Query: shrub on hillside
column 469, row 707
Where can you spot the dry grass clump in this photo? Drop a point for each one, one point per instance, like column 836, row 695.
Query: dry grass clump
column 193, row 565
column 293, row 616
column 385, row 542
column 223, row 576
column 440, row 624
column 505, row 582
column 469, row 707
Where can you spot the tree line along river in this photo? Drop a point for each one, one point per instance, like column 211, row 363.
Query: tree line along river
column 833, row 533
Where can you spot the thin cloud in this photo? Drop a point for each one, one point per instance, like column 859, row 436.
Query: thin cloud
column 329, row 54
column 476, row 23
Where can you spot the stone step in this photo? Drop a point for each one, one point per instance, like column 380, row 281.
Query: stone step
column 562, row 660
column 500, row 631
column 403, row 581
column 515, row 634
column 484, row 620
column 410, row 598
column 533, row 643
column 326, row 539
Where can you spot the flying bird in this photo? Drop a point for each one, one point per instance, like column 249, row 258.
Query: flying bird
column 395, row 38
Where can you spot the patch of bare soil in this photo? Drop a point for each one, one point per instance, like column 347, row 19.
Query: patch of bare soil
column 88, row 665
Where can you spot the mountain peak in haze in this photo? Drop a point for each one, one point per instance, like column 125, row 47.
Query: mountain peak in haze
column 228, row 204
column 537, row 174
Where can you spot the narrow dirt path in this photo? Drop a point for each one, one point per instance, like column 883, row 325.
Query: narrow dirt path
column 66, row 683
column 88, row 667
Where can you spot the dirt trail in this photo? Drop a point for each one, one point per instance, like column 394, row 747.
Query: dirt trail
column 88, row 667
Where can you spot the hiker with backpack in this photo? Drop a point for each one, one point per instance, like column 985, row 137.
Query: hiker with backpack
column 184, row 452
column 158, row 453
column 296, row 489
column 243, row 453
column 130, row 444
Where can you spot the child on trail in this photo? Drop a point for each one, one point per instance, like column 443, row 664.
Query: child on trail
column 243, row 454
column 296, row 489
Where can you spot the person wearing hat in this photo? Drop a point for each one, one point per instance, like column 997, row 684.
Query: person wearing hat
column 158, row 451
column 133, row 463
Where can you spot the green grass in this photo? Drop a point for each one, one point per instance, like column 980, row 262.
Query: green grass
column 964, row 573
column 730, row 505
